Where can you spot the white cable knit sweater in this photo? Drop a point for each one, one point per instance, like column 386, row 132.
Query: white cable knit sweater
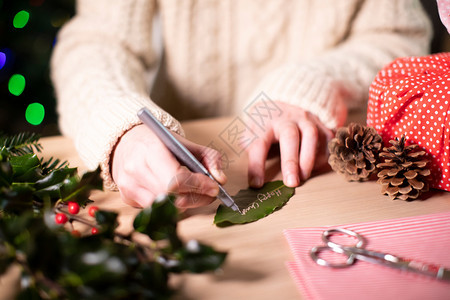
column 318, row 54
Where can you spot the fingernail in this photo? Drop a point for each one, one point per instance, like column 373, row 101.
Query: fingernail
column 291, row 180
column 306, row 175
column 213, row 192
column 218, row 174
column 256, row 182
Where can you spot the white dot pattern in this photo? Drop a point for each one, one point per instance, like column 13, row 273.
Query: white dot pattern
column 411, row 96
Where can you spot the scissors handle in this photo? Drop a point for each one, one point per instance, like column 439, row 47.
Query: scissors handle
column 335, row 231
column 346, row 250
column 314, row 253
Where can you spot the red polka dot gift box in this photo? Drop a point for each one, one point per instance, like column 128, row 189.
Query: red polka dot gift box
column 410, row 97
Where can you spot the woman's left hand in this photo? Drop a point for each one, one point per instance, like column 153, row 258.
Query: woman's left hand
column 302, row 139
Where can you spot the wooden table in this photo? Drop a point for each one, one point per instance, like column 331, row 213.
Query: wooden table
column 257, row 252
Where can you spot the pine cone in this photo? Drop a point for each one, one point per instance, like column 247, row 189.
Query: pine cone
column 404, row 174
column 354, row 151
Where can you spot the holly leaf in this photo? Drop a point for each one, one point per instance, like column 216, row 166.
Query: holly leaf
column 54, row 178
column 159, row 221
column 254, row 204
column 79, row 189
column 25, row 167
column 52, row 184
column 195, row 257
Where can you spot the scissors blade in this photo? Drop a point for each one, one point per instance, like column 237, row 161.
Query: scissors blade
column 432, row 270
column 396, row 262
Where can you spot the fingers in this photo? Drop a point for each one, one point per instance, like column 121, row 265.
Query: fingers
column 289, row 138
column 187, row 182
column 193, row 189
column 257, row 155
column 137, row 196
column 324, row 137
column 308, row 148
column 210, row 158
column 212, row 161
column 302, row 138
column 191, row 200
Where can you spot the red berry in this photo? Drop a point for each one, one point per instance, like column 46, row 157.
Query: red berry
column 94, row 230
column 73, row 207
column 92, row 211
column 61, row 218
column 76, row 233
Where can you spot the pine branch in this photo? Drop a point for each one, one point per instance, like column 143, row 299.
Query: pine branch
column 21, row 143
column 52, row 165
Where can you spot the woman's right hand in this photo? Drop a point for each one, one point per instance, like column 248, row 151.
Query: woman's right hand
column 142, row 168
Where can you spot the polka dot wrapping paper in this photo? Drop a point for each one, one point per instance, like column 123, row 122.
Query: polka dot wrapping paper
column 410, row 97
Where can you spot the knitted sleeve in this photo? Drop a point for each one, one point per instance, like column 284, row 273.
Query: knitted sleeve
column 99, row 68
column 339, row 79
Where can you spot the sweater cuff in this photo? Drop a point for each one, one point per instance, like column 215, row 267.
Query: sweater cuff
column 309, row 89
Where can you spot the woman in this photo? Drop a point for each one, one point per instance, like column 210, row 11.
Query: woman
column 313, row 60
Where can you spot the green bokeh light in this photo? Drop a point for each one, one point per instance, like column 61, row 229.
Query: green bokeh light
column 21, row 19
column 35, row 113
column 16, row 84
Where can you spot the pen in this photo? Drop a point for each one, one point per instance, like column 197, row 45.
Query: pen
column 183, row 154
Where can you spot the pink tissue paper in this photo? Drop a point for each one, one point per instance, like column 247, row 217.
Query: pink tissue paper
column 423, row 238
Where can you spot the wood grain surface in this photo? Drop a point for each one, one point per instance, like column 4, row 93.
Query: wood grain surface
column 257, row 252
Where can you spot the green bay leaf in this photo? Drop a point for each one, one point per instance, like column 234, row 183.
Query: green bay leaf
column 254, row 204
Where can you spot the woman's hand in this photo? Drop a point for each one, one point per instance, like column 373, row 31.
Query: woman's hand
column 142, row 168
column 302, row 140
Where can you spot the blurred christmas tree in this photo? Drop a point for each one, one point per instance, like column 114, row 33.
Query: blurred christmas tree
column 28, row 30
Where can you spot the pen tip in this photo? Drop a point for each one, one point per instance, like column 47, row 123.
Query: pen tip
column 236, row 208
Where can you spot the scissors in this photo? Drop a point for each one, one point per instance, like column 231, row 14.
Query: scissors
column 357, row 251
